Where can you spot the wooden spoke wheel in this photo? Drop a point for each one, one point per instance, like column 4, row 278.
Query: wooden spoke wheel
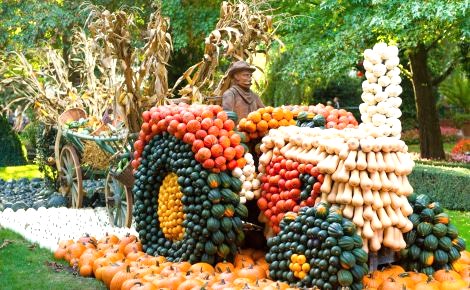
column 118, row 202
column 70, row 176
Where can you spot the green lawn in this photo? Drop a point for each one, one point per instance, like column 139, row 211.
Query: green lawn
column 15, row 172
column 26, row 266
column 461, row 219
column 415, row 147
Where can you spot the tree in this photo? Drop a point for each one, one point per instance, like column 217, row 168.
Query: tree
column 327, row 39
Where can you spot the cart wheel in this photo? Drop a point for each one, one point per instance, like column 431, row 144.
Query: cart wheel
column 70, row 176
column 119, row 202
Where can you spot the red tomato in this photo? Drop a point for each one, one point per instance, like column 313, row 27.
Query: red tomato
column 294, row 193
column 295, row 165
column 274, row 210
column 282, row 184
column 282, row 172
column 289, row 164
column 283, row 163
column 301, row 168
column 308, row 167
column 295, row 183
column 314, row 172
column 273, row 218
column 277, row 167
column 294, row 174
column 316, row 187
column 262, row 203
column 139, row 145
column 320, row 178
column 288, row 184
column 280, row 205
column 273, row 189
column 268, row 213
column 296, row 208
column 289, row 205
column 275, row 198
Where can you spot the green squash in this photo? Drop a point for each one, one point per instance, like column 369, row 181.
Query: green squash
column 345, row 278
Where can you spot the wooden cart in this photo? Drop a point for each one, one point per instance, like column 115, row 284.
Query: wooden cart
column 118, row 184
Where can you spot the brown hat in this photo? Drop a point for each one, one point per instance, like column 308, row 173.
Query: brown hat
column 240, row 66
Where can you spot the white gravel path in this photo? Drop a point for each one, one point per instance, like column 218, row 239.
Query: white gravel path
column 47, row 226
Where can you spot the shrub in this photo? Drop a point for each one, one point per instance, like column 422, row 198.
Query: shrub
column 449, row 186
column 449, row 135
column 11, row 153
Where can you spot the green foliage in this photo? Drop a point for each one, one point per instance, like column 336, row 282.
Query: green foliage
column 325, row 41
column 449, row 186
column 190, row 22
column 461, row 220
column 28, row 135
column 11, row 153
column 25, row 258
column 17, row 172
column 45, row 137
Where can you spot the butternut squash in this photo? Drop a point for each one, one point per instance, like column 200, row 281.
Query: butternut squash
column 279, row 142
column 307, row 143
column 358, row 220
column 406, row 208
column 366, row 182
column 401, row 219
column 384, row 219
column 266, row 158
column 361, row 162
column 263, row 148
column 344, row 153
column 365, row 244
column 402, row 243
column 311, row 155
column 353, row 144
column 276, row 151
column 340, row 192
column 375, row 222
column 371, row 162
column 385, row 197
column 391, row 215
column 350, row 162
column 357, row 199
column 395, row 183
column 406, row 188
column 332, row 165
column 326, row 186
column 408, row 227
column 354, row 179
column 368, row 213
column 346, row 197
column 389, row 238
column 374, row 243
column 268, row 142
column 389, row 164
column 365, row 145
column 396, row 201
column 331, row 198
column 367, row 231
column 334, row 176
column 376, row 145
column 348, row 211
column 399, row 169
column 368, row 197
column 376, row 182
column 380, row 161
column 378, row 203
column 405, row 161
column 323, row 197
column 286, row 148
column 386, row 184
column 320, row 157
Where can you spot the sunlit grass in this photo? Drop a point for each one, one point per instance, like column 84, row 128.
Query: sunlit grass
column 16, row 172
column 25, row 266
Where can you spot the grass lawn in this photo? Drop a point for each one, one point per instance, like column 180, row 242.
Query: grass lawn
column 25, row 266
column 461, row 219
column 15, row 172
column 415, row 147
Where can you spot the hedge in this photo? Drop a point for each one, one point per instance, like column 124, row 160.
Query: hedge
column 10, row 146
column 449, row 186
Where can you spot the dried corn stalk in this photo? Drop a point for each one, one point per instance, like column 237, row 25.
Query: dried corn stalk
column 243, row 30
column 144, row 70
column 94, row 156
column 47, row 89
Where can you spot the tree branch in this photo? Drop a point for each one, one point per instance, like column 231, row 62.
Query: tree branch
column 437, row 80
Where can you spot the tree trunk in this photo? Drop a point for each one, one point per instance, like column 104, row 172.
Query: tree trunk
column 428, row 120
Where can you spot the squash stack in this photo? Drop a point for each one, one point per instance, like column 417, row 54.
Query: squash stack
column 364, row 169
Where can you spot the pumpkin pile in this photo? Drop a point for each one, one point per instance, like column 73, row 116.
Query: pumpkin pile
column 326, row 117
column 203, row 223
column 258, row 123
column 121, row 264
column 433, row 244
column 286, row 185
column 395, row 277
column 207, row 129
column 366, row 176
column 317, row 248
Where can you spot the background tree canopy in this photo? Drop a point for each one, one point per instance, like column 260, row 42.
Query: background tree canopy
column 324, row 41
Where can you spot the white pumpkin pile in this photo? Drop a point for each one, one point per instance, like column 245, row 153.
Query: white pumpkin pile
column 251, row 185
column 47, row 227
column 380, row 111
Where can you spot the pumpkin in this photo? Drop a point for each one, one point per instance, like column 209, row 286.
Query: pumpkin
column 446, row 275
column 391, row 284
column 120, row 277
column 454, row 284
column 428, row 284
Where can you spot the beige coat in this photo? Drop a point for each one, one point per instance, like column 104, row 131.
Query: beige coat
column 240, row 101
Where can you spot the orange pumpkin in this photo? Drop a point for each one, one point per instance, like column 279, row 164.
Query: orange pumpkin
column 446, row 275
column 128, row 284
column 242, row 261
column 191, row 284
column 59, row 253
column 429, row 284
column 202, row 268
column 86, row 270
column 120, row 277
column 144, row 286
column 372, row 280
column 457, row 284
column 109, row 271
column 224, row 266
column 391, row 284
column 251, row 272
